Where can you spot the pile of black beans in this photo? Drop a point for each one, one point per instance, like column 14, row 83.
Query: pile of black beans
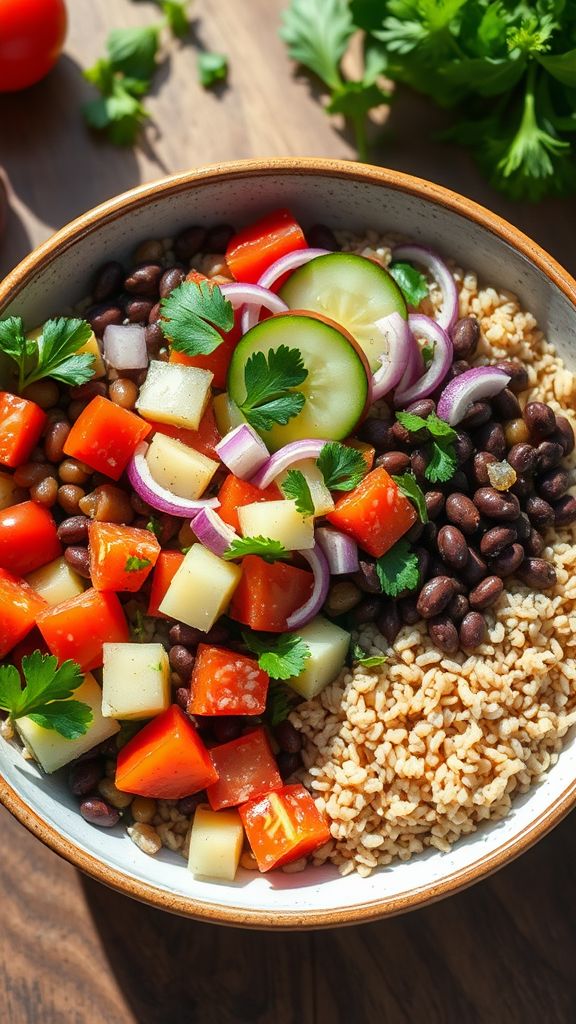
column 477, row 536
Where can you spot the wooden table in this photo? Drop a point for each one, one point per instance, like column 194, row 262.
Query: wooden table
column 72, row 952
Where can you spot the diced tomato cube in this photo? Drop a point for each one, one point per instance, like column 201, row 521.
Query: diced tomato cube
column 251, row 251
column 268, row 593
column 105, row 436
column 283, row 826
column 19, row 606
column 246, row 768
column 226, row 683
column 28, row 538
column 375, row 513
column 166, row 760
column 79, row 627
column 21, row 423
column 166, row 567
column 235, row 492
column 121, row 557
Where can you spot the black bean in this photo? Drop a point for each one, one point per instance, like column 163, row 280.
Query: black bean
column 434, row 596
column 423, row 557
column 188, row 636
column 415, row 532
column 462, row 511
column 101, row 316
column 490, row 438
column 366, row 611
column 188, row 804
column 458, row 482
column 565, row 510
column 226, row 728
column 219, row 236
column 453, row 547
column 423, row 407
column 486, row 592
column 138, row 310
column 465, row 337
column 218, row 634
column 155, row 339
column 402, row 436
column 540, row 512
column 458, row 607
column 518, row 374
column 540, row 420
column 435, row 501
column 377, row 432
column 522, row 457
column 496, row 505
column 553, row 484
column 181, row 661
column 458, row 367
column 463, row 447
column 144, row 279
column 472, row 630
column 419, row 460
column 408, row 610
column 475, row 568
column 429, row 534
column 287, row 737
column 523, row 486
column 508, row 561
column 537, row 573
column 84, row 776
column 480, row 467
column 506, row 406
column 170, row 280
column 534, row 544
column 367, row 578
column 190, row 241
column 564, row 434
column 548, row 455
column 498, row 538
column 288, row 763
column 108, row 281
column 443, row 633
column 74, row 530
column 394, row 463
column 319, row 236
column 98, row 812
column 183, row 697
column 78, row 559
column 522, row 525
column 478, row 414
column 388, row 621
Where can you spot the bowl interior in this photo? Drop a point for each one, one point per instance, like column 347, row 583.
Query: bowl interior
column 343, row 196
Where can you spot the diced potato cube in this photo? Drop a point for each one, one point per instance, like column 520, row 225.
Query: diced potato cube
column 201, row 589
column 174, row 393
column 178, row 468
column 278, row 520
column 51, row 750
column 323, row 500
column 7, row 489
column 216, row 841
column 328, row 645
column 136, row 680
column 56, row 582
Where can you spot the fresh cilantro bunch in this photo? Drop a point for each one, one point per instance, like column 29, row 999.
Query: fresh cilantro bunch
column 507, row 66
column 45, row 697
column 54, row 353
column 317, row 34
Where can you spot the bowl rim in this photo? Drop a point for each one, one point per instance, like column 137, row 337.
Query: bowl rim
column 146, row 892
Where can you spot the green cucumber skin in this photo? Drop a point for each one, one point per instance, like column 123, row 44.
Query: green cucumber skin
column 339, row 392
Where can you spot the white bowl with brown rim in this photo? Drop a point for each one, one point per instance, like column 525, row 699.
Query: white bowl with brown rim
column 343, row 195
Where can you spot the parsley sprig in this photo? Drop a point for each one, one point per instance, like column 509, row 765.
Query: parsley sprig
column 268, row 549
column 341, row 466
column 398, row 569
column 191, row 315
column 270, row 380
column 410, row 281
column 442, row 461
column 53, row 354
column 410, row 488
column 297, row 488
column 282, row 657
column 45, row 697
column 136, row 564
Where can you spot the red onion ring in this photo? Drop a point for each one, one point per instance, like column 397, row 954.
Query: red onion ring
column 340, row 550
column 448, row 314
column 158, row 497
column 253, row 297
column 471, row 386
column 296, row 451
column 276, row 270
column 212, row 531
column 431, row 331
column 312, row 606
column 242, row 451
column 400, row 343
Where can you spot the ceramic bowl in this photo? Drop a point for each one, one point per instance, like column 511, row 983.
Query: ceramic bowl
column 342, row 195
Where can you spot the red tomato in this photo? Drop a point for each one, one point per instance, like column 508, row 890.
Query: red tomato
column 166, row 760
column 32, row 34
column 19, row 606
column 79, row 627
column 235, row 492
column 375, row 513
column 121, row 557
column 246, row 769
column 226, row 683
column 268, row 593
column 21, row 424
column 104, row 437
column 256, row 247
column 283, row 826
column 28, row 538
column 166, row 568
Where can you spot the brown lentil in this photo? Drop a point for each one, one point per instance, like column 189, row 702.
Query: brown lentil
column 123, row 392
column 69, row 498
column 45, row 491
column 107, row 504
column 44, row 393
column 55, row 439
column 342, row 597
column 516, row 432
column 71, row 471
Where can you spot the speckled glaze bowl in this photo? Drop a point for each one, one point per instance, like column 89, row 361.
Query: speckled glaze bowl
column 342, row 195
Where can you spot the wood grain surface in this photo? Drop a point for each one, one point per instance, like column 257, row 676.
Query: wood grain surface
column 72, row 952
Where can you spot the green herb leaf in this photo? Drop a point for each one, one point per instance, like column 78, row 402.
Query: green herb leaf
column 410, row 281
column 282, row 657
column 269, row 381
column 269, row 550
column 176, row 18
column 120, row 113
column 296, row 488
column 279, row 703
column 52, row 354
column 135, row 564
column 10, row 688
column 212, row 68
column 442, row 464
column 412, row 422
column 410, row 488
column 440, row 428
column 191, row 315
column 70, row 718
column 427, row 352
column 44, row 698
column 317, row 33
column 341, row 466
column 154, row 526
column 133, row 50
column 359, row 657
column 398, row 569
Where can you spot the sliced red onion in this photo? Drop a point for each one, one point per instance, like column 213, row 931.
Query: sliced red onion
column 158, row 497
column 125, row 347
column 400, row 343
column 253, row 297
column 448, row 314
column 296, row 451
column 212, row 531
column 274, row 272
column 312, row 606
column 242, row 451
column 341, row 551
column 414, row 365
column 472, row 386
column 430, row 330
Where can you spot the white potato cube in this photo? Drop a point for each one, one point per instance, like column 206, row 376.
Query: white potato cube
column 201, row 589
column 176, row 394
column 278, row 520
column 53, row 751
column 7, row 489
column 135, row 680
column 178, row 468
column 323, row 501
column 56, row 582
column 328, row 645
column 216, row 841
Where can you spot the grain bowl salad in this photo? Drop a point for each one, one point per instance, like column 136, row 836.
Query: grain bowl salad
column 287, row 552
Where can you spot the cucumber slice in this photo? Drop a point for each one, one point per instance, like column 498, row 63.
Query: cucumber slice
column 336, row 388
column 352, row 290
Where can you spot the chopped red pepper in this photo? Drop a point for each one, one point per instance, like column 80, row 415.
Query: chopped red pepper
column 375, row 513
column 121, row 557
column 226, row 683
column 246, row 768
column 166, row 760
column 283, row 826
column 104, row 437
column 21, row 423
column 19, row 606
column 165, row 570
column 28, row 538
column 268, row 593
column 79, row 627
column 235, row 492
column 256, row 247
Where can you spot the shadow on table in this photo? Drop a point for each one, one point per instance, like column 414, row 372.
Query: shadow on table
column 500, row 953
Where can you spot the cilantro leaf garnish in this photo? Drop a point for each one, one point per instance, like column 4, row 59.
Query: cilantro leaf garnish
column 410, row 281
column 282, row 657
column 133, row 50
column 359, row 657
column 412, row 422
column 296, row 487
column 410, row 488
column 398, row 569
column 265, row 547
column 154, row 526
column 442, row 464
column 269, row 380
column 442, row 458
column 190, row 315
column 279, row 703
column 135, row 564
column 212, row 68
column 53, row 354
column 44, row 698
column 176, row 18
column 341, row 466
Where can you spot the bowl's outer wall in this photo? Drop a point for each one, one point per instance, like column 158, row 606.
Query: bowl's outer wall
column 343, row 196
